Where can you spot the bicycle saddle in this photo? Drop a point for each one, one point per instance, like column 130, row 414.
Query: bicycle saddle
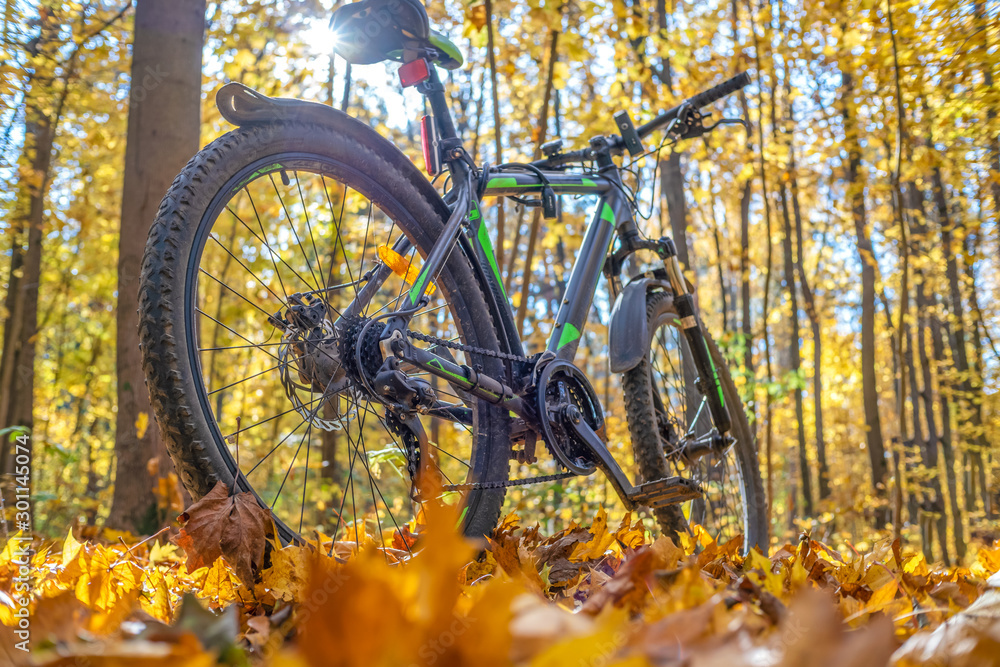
column 371, row 31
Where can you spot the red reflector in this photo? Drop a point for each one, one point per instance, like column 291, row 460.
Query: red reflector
column 414, row 72
column 428, row 139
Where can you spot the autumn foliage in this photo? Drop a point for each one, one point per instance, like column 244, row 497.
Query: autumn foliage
column 602, row 594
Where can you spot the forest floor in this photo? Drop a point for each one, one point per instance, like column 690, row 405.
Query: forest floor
column 221, row 591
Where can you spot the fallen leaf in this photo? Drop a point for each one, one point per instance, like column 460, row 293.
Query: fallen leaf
column 235, row 527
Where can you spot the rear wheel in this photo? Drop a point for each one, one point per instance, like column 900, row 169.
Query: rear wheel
column 666, row 412
column 258, row 252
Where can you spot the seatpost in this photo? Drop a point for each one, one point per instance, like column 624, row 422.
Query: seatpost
column 433, row 90
column 448, row 138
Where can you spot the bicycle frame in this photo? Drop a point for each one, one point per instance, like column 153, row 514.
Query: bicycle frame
column 611, row 214
column 611, row 217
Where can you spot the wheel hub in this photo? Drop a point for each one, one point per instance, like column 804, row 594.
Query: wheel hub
column 319, row 358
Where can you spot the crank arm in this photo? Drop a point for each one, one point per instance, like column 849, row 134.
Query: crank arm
column 658, row 493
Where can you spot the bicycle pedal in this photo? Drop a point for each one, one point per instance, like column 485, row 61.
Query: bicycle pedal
column 666, row 491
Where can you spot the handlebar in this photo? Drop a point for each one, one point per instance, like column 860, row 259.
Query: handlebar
column 702, row 99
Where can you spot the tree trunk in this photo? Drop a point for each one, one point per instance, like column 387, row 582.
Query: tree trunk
column 536, row 220
column 746, row 195
column 968, row 396
column 815, row 327
column 855, row 194
column 991, row 114
column 17, row 356
column 933, row 507
column 976, row 366
column 789, row 253
column 795, row 353
column 163, row 133
column 938, row 331
column 768, row 431
column 720, row 262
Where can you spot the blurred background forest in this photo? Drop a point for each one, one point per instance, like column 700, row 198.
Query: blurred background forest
column 847, row 245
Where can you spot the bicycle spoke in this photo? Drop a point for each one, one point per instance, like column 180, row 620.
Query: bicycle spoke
column 252, row 344
column 295, row 233
column 248, row 270
column 284, row 238
column 267, row 314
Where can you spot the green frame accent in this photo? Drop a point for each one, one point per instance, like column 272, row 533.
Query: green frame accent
column 502, row 182
column 715, row 373
column 511, row 182
column 259, row 172
column 569, row 334
column 483, row 237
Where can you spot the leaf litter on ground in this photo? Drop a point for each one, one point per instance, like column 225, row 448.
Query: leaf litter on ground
column 224, row 591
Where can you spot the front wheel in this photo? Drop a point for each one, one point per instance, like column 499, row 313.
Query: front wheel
column 667, row 414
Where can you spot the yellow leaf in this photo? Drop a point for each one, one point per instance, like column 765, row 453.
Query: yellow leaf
column 476, row 15
column 141, row 424
column 286, row 578
column 219, row 584
column 117, row 611
column 164, row 553
column 759, row 567
column 598, row 544
column 987, row 561
column 402, row 267
column 71, row 548
column 156, row 601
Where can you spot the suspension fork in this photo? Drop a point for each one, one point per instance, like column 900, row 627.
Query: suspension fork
column 687, row 313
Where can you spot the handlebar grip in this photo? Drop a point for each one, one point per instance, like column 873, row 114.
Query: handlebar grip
column 705, row 98
column 700, row 100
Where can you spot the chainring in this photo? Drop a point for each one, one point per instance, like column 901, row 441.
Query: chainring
column 561, row 384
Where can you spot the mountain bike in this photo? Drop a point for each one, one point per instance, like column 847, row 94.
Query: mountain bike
column 322, row 328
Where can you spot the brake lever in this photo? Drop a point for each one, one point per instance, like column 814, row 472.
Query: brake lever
column 730, row 121
column 690, row 124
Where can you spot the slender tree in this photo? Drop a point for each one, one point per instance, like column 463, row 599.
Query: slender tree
column 856, row 196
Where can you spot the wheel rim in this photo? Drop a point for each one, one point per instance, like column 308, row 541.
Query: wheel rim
column 313, row 447
column 681, row 409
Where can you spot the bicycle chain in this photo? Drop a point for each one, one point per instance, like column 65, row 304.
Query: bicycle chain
column 500, row 484
column 507, row 483
column 464, row 348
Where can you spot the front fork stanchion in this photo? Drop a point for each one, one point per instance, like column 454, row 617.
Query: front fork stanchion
column 708, row 374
